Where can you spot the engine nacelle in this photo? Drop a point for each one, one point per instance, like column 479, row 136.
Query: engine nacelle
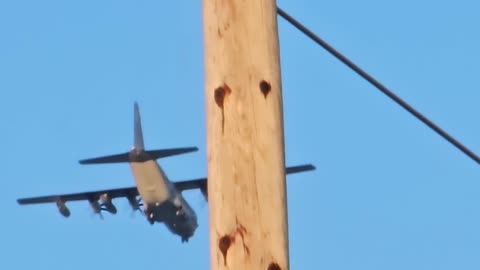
column 204, row 190
column 106, row 202
column 95, row 206
column 134, row 203
column 62, row 208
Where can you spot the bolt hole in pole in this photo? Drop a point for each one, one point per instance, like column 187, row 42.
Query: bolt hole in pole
column 265, row 88
column 274, row 266
column 224, row 244
column 219, row 96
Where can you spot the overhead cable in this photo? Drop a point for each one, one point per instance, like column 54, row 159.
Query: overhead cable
column 377, row 84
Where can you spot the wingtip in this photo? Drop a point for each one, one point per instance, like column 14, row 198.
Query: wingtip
column 191, row 149
column 83, row 161
column 21, row 201
column 308, row 167
column 300, row 168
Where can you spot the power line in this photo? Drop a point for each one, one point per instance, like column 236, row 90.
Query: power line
column 377, row 84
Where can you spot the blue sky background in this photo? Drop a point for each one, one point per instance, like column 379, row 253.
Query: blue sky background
column 388, row 192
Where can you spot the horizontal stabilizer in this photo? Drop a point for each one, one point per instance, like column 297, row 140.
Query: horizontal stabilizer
column 107, row 159
column 156, row 154
column 140, row 157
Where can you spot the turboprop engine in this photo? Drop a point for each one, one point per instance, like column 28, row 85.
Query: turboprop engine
column 62, row 208
column 134, row 202
column 106, row 203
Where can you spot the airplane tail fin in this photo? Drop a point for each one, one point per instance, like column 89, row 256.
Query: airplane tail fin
column 137, row 126
column 138, row 147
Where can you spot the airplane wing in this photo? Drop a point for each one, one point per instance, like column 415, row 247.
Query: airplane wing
column 299, row 168
column 88, row 196
column 130, row 193
column 201, row 183
column 99, row 200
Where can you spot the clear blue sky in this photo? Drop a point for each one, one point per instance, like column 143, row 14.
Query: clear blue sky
column 388, row 192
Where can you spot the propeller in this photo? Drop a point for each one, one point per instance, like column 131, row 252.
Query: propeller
column 135, row 204
column 96, row 207
column 139, row 210
column 95, row 213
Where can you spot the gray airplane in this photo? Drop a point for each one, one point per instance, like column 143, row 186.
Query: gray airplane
column 162, row 200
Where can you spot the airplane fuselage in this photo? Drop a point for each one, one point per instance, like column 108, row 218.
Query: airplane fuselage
column 162, row 202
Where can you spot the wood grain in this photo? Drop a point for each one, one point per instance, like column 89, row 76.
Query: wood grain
column 245, row 141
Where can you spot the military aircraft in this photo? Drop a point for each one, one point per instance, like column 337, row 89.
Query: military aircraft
column 161, row 199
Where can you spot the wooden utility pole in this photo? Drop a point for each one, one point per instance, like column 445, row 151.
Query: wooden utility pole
column 245, row 145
